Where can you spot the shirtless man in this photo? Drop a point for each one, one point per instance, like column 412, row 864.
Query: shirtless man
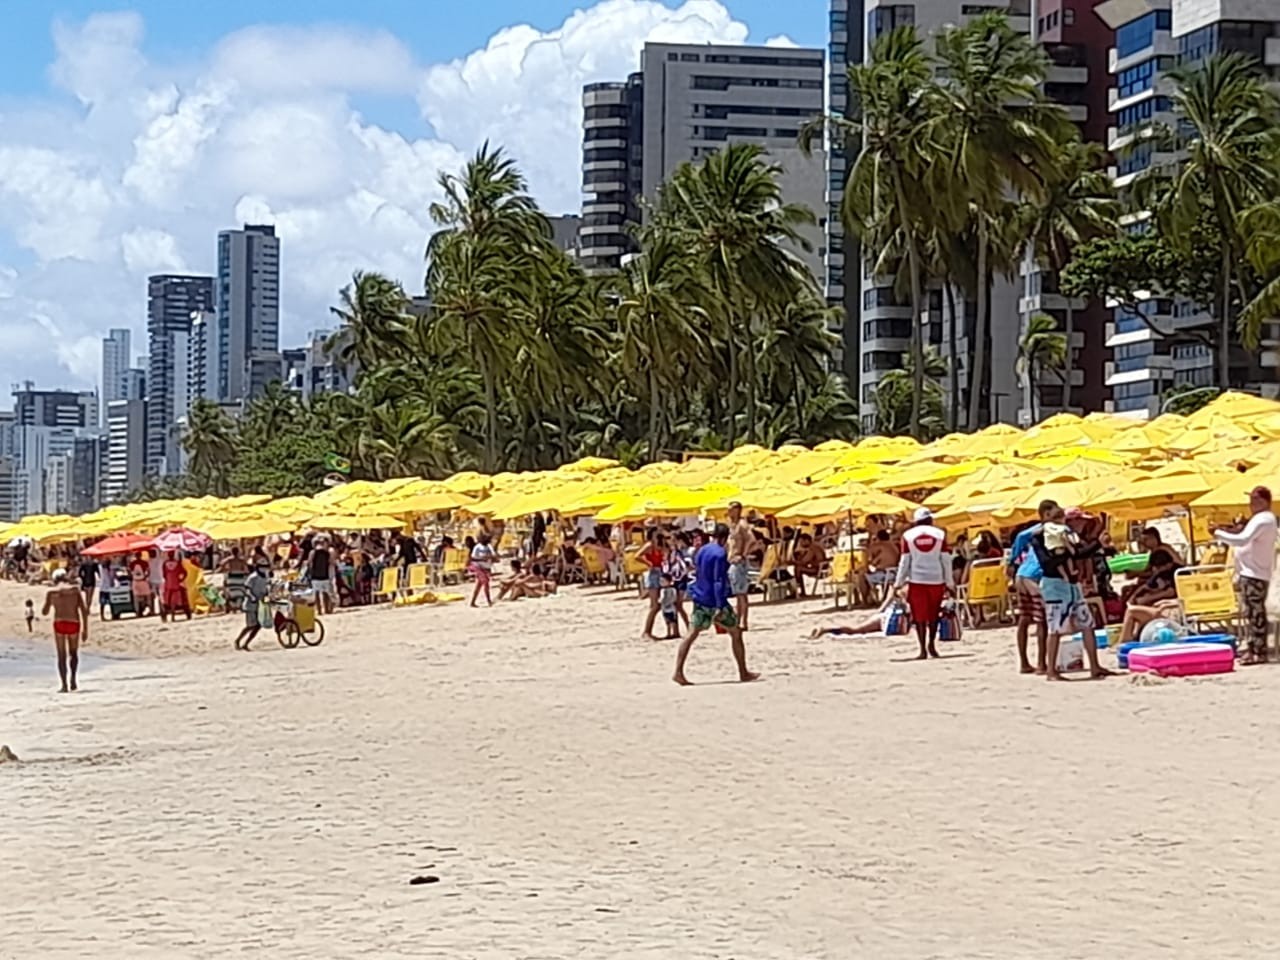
column 70, row 623
column 741, row 542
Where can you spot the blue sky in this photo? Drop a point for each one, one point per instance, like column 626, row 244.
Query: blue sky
column 129, row 135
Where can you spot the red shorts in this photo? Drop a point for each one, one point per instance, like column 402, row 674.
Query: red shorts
column 925, row 601
column 66, row 628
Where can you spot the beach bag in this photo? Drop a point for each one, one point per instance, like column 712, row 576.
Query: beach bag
column 949, row 627
column 898, row 621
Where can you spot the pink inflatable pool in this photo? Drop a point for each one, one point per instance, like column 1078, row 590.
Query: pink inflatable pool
column 1183, row 659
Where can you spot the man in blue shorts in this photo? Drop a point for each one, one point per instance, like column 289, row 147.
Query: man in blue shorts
column 710, row 593
column 1024, row 571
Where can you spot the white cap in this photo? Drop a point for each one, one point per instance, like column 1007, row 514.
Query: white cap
column 922, row 514
column 59, row 575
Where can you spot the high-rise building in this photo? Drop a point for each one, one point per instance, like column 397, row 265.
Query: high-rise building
column 171, row 301
column 686, row 102
column 135, row 384
column 200, row 351
column 126, row 449
column 845, row 48
column 1163, row 344
column 54, row 408
column 1076, row 42
column 248, row 311
column 116, row 358
column 564, row 232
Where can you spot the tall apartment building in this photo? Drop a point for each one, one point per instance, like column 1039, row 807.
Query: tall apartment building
column 248, row 311
column 116, row 357
column 1151, row 37
column 126, row 459
column 845, row 47
column 54, row 408
column 685, row 103
column 171, row 301
column 1076, row 42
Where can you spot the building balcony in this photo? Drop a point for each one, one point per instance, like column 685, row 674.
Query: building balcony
column 1061, row 74
column 1156, row 367
column 604, row 186
column 1044, row 302
column 1163, row 45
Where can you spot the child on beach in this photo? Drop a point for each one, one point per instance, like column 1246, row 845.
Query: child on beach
column 667, row 600
column 31, row 614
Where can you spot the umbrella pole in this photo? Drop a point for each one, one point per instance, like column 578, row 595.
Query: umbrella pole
column 1191, row 535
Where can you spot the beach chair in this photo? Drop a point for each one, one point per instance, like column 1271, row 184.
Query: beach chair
column 388, row 583
column 774, row 589
column 842, row 579
column 454, row 569
column 633, row 568
column 988, row 586
column 1207, row 598
column 593, row 568
column 419, row 574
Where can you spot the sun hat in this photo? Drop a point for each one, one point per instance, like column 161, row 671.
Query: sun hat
column 922, row 514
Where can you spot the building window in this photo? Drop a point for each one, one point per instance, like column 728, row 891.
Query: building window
column 1138, row 78
column 673, row 56
column 886, row 19
column 690, row 58
column 1139, row 34
column 1069, row 16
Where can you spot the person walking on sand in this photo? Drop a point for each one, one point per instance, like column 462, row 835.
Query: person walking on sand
column 1024, row 571
column 710, row 592
column 70, row 625
column 88, row 579
column 925, row 570
column 257, row 613
column 482, row 558
column 741, row 539
column 1255, row 546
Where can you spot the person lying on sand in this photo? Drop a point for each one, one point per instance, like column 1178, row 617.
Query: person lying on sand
column 70, row 624
column 876, row 622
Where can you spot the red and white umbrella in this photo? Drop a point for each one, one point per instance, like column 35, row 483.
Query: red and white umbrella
column 184, row 539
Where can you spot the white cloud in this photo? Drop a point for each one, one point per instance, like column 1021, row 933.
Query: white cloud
column 781, row 40
column 128, row 166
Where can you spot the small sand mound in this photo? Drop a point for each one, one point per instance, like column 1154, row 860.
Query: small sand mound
column 7, row 755
column 1147, row 679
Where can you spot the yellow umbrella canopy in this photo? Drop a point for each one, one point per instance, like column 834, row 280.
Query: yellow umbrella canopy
column 356, row 522
column 768, row 499
column 858, row 499
column 861, row 473
column 929, row 474
column 589, row 465
column 418, row 503
column 1171, row 486
column 244, row 529
column 1062, row 430
column 996, row 477
column 1210, row 433
column 1241, row 408
column 1231, row 497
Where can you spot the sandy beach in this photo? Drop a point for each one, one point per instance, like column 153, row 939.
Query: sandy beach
column 193, row 801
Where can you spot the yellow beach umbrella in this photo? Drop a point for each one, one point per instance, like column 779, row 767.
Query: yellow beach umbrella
column 245, row 529
column 589, row 465
column 928, row 474
column 991, row 479
column 356, row 522
column 858, row 500
column 1231, row 498
column 861, row 473
column 1148, row 495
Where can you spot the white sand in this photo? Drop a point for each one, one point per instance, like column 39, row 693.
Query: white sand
column 575, row 803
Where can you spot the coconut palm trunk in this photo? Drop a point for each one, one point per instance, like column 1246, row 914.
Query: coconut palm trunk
column 979, row 352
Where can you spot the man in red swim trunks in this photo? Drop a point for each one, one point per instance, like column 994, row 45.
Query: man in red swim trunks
column 174, row 599
column 70, row 623
column 925, row 570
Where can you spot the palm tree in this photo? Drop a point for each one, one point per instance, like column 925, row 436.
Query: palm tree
column 1229, row 121
column 1042, row 347
column 895, row 398
column 489, row 227
column 271, row 413
column 660, row 322
column 999, row 133
column 895, row 134
column 372, row 313
column 731, row 209
column 210, row 442
column 1078, row 205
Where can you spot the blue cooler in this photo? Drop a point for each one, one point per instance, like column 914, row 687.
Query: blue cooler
column 1099, row 636
column 1215, row 638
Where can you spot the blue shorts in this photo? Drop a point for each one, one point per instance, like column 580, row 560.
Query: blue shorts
column 652, row 578
column 1064, row 608
column 739, row 582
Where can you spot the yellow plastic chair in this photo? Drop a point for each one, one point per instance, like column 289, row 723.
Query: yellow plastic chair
column 774, row 589
column 388, row 583
column 593, row 568
column 455, row 565
column 419, row 574
column 842, row 579
column 1207, row 596
column 988, row 585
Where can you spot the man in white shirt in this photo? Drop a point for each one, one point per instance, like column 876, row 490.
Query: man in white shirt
column 1255, row 546
column 925, row 570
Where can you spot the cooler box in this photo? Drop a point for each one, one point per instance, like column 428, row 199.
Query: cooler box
column 1183, row 659
column 119, row 601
